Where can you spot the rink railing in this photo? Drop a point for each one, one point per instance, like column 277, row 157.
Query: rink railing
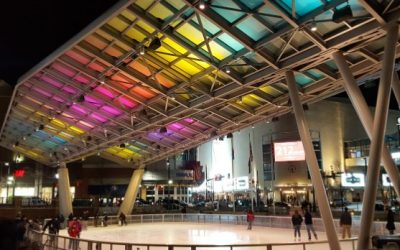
column 50, row 242
column 44, row 241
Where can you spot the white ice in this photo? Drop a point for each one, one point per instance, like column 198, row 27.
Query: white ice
column 198, row 234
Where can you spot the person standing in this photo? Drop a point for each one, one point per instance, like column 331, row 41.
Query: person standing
column 309, row 225
column 54, row 227
column 122, row 219
column 390, row 221
column 250, row 219
column 296, row 221
column 345, row 223
column 73, row 232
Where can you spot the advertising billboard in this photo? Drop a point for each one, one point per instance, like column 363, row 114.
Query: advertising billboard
column 289, row 151
column 353, row 180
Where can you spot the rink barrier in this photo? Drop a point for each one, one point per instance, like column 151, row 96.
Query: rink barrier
column 264, row 221
column 378, row 227
column 50, row 242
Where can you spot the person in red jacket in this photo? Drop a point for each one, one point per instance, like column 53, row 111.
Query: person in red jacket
column 74, row 229
column 250, row 219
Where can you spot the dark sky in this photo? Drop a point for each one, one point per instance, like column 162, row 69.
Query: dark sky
column 32, row 29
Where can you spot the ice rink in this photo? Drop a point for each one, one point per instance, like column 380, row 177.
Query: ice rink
column 200, row 234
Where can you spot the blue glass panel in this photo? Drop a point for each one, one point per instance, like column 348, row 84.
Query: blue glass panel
column 252, row 4
column 229, row 15
column 208, row 26
column 253, row 28
column 315, row 73
column 50, row 144
column 59, row 140
column 302, row 6
column 228, row 40
column 41, row 134
column 331, row 64
column 302, row 80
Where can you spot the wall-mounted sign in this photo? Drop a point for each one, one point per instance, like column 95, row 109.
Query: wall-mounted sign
column 386, row 182
column 353, row 180
column 186, row 175
column 289, row 151
column 241, row 183
column 19, row 173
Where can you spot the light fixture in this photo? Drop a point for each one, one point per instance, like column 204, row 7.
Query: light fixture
column 41, row 127
column 343, row 14
column 122, row 145
column 10, row 178
column 24, row 138
column 65, row 148
column 155, row 44
column 202, row 5
column 142, row 51
column 170, row 181
column 57, row 176
column 6, row 164
column 168, row 163
column 229, row 135
column 83, row 158
column 227, row 70
column 163, row 130
column 313, row 26
column 81, row 98
column 98, row 153
column 252, row 126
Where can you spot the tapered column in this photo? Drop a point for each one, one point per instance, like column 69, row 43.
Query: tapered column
column 312, row 163
column 132, row 191
column 396, row 90
column 64, row 192
column 361, row 107
column 378, row 134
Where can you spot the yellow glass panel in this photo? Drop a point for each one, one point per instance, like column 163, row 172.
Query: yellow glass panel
column 112, row 150
column 25, row 107
column 256, row 97
column 66, row 135
column 187, row 67
column 191, row 33
column 57, row 123
column 135, row 34
column 166, row 57
column 217, row 50
column 145, row 26
column 161, row 12
column 250, row 101
column 144, row 4
column 199, row 62
column 270, row 90
column 129, row 15
column 175, row 45
column 118, row 24
column 76, row 130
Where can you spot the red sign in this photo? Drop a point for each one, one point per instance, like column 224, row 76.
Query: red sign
column 19, row 173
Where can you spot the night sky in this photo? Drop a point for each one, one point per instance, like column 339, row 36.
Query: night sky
column 32, row 29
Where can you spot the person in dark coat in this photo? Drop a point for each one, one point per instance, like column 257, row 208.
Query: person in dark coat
column 54, row 227
column 345, row 223
column 309, row 225
column 390, row 221
column 122, row 219
column 296, row 221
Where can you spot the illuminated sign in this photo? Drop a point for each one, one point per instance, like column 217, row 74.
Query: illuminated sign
column 19, row 173
column 183, row 175
column 242, row 183
column 353, row 180
column 289, row 151
column 386, row 181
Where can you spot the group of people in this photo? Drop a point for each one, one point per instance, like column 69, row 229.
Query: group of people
column 297, row 220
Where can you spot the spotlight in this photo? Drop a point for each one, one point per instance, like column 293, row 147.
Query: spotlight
column 163, row 130
column 141, row 52
column 343, row 14
column 81, row 98
column 122, row 145
column 221, row 138
column 16, row 144
column 252, row 126
column 98, row 153
column 313, row 26
column 155, row 44
column 275, row 119
column 214, row 133
column 229, row 135
column 41, row 127
column 168, row 163
column 202, row 5
column 227, row 70
column 170, row 181
column 88, row 138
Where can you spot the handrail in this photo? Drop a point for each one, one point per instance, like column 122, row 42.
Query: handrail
column 193, row 218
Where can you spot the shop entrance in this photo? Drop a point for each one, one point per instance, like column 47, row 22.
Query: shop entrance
column 294, row 196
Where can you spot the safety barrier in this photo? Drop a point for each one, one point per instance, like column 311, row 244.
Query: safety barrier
column 46, row 241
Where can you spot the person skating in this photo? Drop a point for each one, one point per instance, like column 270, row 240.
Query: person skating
column 345, row 223
column 250, row 219
column 122, row 219
column 74, row 228
column 296, row 221
column 309, row 225
column 390, row 221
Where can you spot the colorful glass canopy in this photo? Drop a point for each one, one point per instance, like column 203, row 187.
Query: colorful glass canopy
column 151, row 78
